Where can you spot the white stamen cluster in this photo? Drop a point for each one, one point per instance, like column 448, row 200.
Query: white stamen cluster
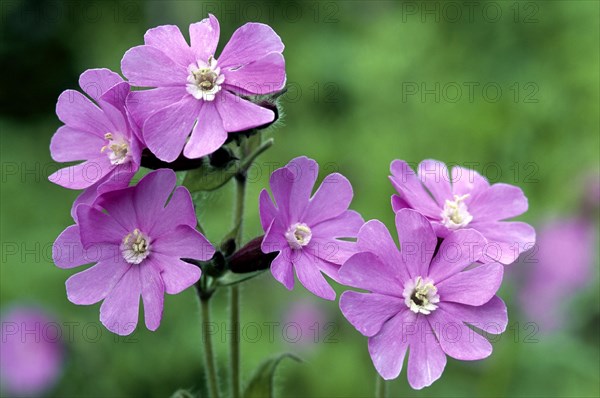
column 298, row 235
column 118, row 149
column 420, row 296
column 135, row 247
column 455, row 214
column 204, row 80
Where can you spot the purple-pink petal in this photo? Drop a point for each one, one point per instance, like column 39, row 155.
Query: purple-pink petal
column 143, row 103
column 204, row 37
column 468, row 181
column 310, row 276
column 97, row 227
column 119, row 311
column 68, row 252
column 375, row 238
column 263, row 76
column 274, row 239
column 78, row 112
column 498, row 202
column 506, row 240
column 83, row 175
column 331, row 267
column 116, row 96
column 366, row 271
column 490, row 317
column 208, row 134
column 177, row 275
column 457, row 339
column 95, row 283
column 434, row 175
column 248, row 43
column 267, row 209
column 304, row 172
column 331, row 250
column 150, row 196
column 398, row 203
column 153, row 295
column 96, row 82
column 119, row 178
column 331, row 199
column 179, row 211
column 458, row 250
column 426, row 359
column 367, row 312
column 166, row 130
column 120, row 207
column 282, row 269
column 239, row 114
column 69, row 144
column 169, row 40
column 116, row 114
column 292, row 186
column 411, row 190
column 388, row 347
column 148, row 66
column 184, row 242
column 473, row 287
column 417, row 241
column 345, row 225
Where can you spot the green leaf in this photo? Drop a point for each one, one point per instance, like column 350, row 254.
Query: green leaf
column 261, row 384
column 209, row 178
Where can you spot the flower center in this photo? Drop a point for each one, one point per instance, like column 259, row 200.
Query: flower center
column 117, row 148
column 298, row 235
column 205, row 79
column 455, row 214
column 420, row 295
column 135, row 247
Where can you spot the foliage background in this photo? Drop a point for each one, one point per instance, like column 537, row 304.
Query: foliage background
column 349, row 65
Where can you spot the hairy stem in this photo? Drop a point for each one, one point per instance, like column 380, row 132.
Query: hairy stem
column 209, row 356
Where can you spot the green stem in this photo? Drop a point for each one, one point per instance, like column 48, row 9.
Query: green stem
column 235, row 292
column 380, row 386
column 247, row 161
column 235, row 341
column 209, row 356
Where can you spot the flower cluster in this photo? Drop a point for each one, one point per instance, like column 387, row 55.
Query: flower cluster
column 430, row 297
column 135, row 237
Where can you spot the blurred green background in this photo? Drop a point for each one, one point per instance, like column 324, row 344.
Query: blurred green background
column 508, row 88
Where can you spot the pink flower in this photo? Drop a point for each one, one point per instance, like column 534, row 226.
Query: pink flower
column 197, row 93
column 138, row 244
column 420, row 302
column 563, row 265
column 469, row 202
column 306, row 231
column 31, row 352
column 100, row 134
